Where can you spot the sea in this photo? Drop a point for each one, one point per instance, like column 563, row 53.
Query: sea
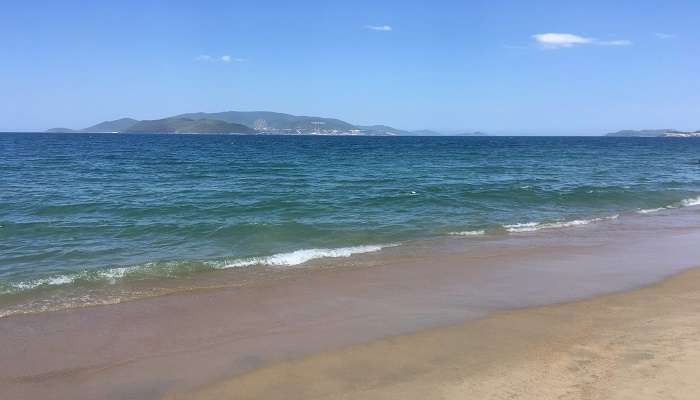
column 100, row 218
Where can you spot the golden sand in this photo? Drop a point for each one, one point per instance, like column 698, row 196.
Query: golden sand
column 641, row 344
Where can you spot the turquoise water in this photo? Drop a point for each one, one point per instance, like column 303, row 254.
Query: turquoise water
column 80, row 209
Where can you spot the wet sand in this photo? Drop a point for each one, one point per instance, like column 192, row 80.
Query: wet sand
column 642, row 344
column 181, row 343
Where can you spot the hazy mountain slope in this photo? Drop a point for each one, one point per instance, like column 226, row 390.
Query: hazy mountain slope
column 273, row 120
column 187, row 125
column 118, row 125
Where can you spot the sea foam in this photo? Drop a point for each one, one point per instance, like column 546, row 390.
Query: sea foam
column 536, row 226
column 468, row 233
column 653, row 210
column 302, row 256
column 691, row 202
column 164, row 269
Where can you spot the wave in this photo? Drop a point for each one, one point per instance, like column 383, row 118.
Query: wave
column 166, row 269
column 111, row 275
column 468, row 233
column 536, row 226
column 653, row 210
column 301, row 256
column 691, row 202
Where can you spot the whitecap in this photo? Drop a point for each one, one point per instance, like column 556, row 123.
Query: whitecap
column 652, row 210
column 302, row 256
column 50, row 281
column 468, row 233
column 691, row 202
column 536, row 226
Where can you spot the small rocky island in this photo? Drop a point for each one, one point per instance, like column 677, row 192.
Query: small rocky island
column 654, row 133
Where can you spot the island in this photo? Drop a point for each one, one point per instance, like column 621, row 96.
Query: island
column 249, row 122
column 654, row 133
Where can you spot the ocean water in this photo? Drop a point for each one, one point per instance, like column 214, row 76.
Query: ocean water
column 80, row 210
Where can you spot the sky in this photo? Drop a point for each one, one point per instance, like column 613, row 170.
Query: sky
column 503, row 67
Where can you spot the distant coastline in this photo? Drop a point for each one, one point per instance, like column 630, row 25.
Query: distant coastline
column 249, row 122
column 654, row 133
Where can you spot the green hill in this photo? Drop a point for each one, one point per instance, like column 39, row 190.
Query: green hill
column 383, row 130
column 187, row 125
column 118, row 125
column 274, row 120
column 245, row 122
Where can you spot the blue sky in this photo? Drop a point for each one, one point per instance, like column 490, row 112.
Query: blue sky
column 545, row 67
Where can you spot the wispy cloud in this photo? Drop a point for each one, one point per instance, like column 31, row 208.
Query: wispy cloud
column 379, row 28
column 233, row 59
column 662, row 35
column 621, row 42
column 565, row 40
column 225, row 58
column 560, row 40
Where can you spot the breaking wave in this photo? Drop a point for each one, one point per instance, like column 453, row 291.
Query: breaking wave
column 166, row 269
column 536, row 226
column 468, row 233
column 302, row 256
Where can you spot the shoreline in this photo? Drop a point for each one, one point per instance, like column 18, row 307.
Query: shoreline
column 79, row 290
column 176, row 343
column 643, row 344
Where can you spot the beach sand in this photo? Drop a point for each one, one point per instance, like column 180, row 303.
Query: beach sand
column 350, row 331
column 641, row 344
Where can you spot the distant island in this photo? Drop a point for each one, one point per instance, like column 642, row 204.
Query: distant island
column 477, row 133
column 248, row 122
column 654, row 133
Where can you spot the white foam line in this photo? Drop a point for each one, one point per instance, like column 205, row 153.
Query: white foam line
column 653, row 210
column 536, row 226
column 468, row 233
column 691, row 202
column 112, row 275
column 301, row 256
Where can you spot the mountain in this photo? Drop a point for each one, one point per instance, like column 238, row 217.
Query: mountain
column 118, row 125
column 266, row 120
column 640, row 133
column 186, row 125
column 382, row 130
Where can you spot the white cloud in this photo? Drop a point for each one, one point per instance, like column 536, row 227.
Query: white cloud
column 379, row 28
column 559, row 40
column 226, row 58
column 564, row 40
column 204, row 57
column 662, row 35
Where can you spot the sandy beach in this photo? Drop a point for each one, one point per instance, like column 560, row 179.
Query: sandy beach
column 641, row 344
column 349, row 331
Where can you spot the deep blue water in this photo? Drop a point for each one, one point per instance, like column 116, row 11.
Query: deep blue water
column 77, row 207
